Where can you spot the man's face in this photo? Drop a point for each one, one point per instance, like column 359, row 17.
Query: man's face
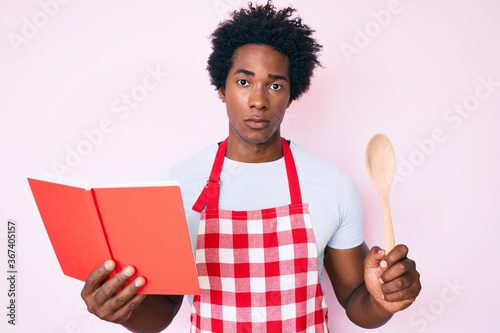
column 257, row 94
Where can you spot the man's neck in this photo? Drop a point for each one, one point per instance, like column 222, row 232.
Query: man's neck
column 241, row 151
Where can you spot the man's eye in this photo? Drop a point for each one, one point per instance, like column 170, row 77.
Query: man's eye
column 243, row 82
column 275, row 86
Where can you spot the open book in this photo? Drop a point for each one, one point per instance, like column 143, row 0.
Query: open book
column 141, row 226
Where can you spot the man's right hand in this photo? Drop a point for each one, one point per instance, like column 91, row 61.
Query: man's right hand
column 112, row 300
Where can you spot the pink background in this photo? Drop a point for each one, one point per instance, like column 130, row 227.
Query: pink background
column 398, row 67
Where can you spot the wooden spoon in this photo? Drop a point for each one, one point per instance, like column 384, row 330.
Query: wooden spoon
column 380, row 162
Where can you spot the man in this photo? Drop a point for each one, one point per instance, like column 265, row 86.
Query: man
column 271, row 214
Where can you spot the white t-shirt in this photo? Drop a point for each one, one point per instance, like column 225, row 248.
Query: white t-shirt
column 334, row 203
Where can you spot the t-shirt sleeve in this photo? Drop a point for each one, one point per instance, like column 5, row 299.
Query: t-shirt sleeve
column 350, row 212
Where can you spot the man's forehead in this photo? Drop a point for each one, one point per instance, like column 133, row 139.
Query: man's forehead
column 251, row 57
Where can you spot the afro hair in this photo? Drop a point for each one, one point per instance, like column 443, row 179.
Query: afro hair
column 265, row 25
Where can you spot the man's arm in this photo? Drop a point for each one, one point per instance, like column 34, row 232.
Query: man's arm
column 370, row 285
column 138, row 313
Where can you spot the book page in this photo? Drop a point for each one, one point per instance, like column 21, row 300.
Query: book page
column 146, row 228
column 73, row 226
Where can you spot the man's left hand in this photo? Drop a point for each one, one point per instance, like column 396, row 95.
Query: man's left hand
column 392, row 280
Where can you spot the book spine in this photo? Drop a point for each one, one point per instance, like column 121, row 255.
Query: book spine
column 95, row 205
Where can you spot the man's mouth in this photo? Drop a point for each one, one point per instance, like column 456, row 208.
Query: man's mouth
column 256, row 123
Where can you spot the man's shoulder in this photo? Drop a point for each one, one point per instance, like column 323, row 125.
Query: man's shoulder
column 314, row 166
column 306, row 157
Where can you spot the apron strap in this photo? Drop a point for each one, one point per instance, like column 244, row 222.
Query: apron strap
column 210, row 193
column 291, row 172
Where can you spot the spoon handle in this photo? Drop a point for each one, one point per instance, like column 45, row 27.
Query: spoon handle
column 388, row 229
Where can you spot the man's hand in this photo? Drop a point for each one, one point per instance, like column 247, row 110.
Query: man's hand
column 392, row 279
column 106, row 299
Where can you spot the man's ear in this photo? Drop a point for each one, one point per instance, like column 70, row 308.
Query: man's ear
column 289, row 103
column 222, row 94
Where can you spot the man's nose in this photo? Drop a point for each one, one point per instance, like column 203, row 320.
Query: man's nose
column 258, row 98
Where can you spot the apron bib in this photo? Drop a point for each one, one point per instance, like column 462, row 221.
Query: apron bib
column 258, row 270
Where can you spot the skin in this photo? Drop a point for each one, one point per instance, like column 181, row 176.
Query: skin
column 138, row 313
column 257, row 95
column 369, row 284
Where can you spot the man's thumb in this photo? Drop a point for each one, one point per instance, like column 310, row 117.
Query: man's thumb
column 374, row 258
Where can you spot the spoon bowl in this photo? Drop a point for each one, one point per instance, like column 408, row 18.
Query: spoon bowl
column 381, row 165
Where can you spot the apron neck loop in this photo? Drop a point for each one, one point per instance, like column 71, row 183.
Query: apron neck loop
column 291, row 172
column 210, row 194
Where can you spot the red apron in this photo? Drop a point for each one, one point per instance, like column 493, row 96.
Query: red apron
column 258, row 270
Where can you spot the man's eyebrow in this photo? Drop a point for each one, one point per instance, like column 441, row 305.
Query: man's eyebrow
column 244, row 71
column 277, row 77
column 250, row 73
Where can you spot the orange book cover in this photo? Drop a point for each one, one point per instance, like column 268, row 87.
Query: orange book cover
column 142, row 226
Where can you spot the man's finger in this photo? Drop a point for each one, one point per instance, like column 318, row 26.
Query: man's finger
column 96, row 278
column 398, row 253
column 373, row 257
column 111, row 287
column 124, row 312
column 127, row 294
column 119, row 305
